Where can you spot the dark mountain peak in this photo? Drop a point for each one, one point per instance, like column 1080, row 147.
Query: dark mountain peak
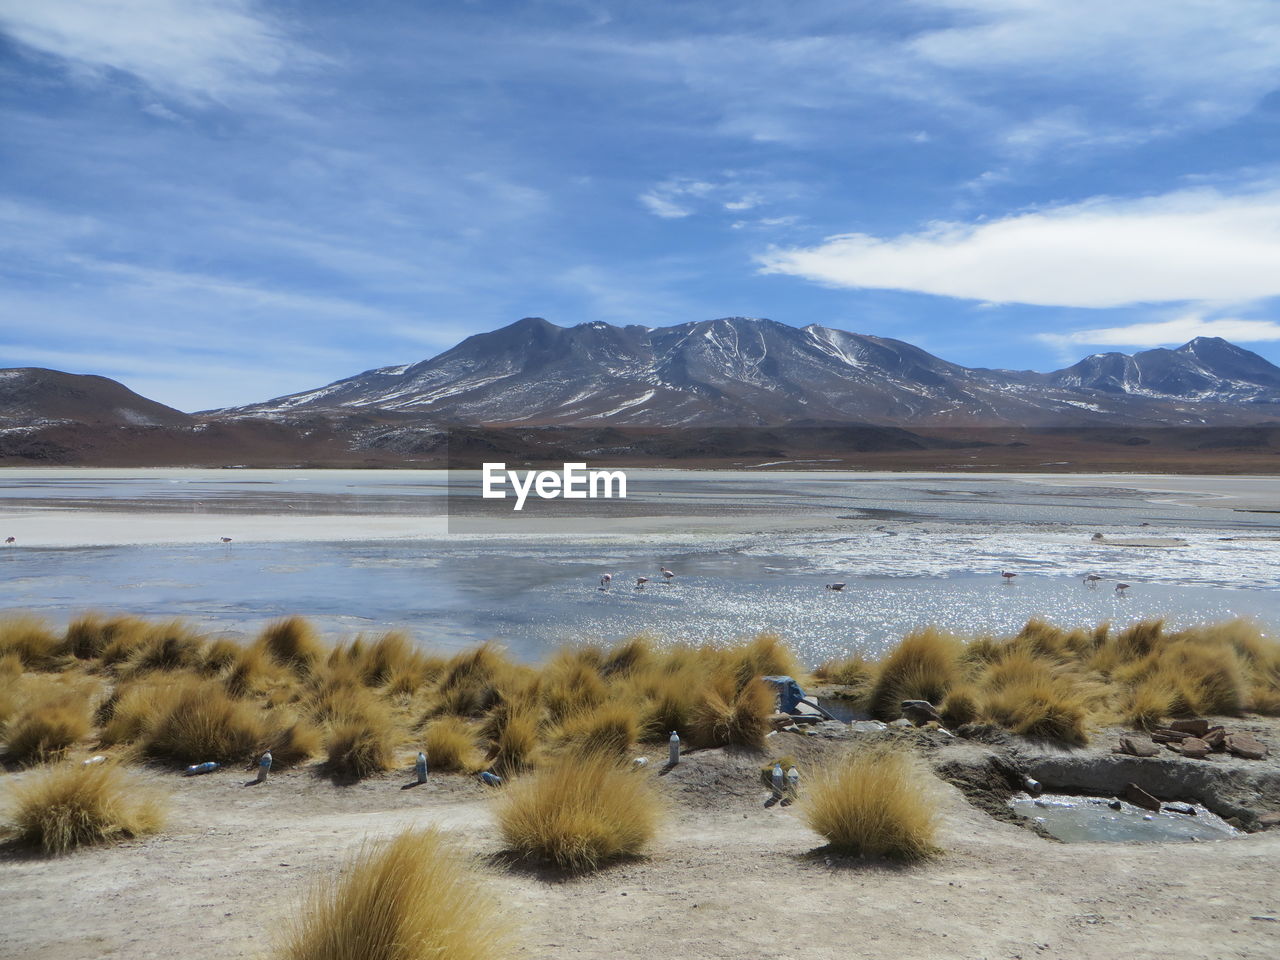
column 30, row 394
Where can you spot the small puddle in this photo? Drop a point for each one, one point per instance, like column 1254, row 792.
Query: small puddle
column 843, row 710
column 1074, row 819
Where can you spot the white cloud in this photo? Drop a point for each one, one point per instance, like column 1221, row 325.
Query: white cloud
column 664, row 207
column 210, row 50
column 1178, row 330
column 1190, row 245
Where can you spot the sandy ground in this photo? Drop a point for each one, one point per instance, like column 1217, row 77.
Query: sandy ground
column 727, row 878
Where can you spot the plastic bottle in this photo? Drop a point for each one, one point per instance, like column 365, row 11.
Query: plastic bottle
column 777, row 781
column 94, row 761
column 640, row 761
column 264, row 766
column 673, row 747
column 793, row 781
column 421, row 767
column 197, row 768
column 492, row 779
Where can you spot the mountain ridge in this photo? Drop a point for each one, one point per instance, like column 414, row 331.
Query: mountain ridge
column 747, row 371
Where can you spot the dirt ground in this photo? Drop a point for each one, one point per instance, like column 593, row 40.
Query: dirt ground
column 729, row 877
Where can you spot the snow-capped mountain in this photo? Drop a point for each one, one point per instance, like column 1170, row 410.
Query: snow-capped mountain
column 747, row 371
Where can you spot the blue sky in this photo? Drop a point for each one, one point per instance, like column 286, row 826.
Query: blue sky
column 219, row 201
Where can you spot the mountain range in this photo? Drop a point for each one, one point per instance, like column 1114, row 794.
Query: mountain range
column 740, row 371
column 785, row 389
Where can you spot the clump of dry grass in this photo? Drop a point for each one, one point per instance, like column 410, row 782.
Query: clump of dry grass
column 731, row 714
column 923, row 666
column 875, row 802
column 89, row 636
column 609, row 728
column 293, row 742
column 31, row 640
column 470, row 682
column 414, row 897
column 169, row 646
column 450, row 745
column 516, row 742
column 72, row 805
column 292, row 643
column 854, row 670
column 204, row 722
column 361, row 742
column 580, row 811
column 46, row 726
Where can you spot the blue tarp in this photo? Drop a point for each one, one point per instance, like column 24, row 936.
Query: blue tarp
column 789, row 692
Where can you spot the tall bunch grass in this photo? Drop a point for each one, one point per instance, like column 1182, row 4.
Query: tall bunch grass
column 580, row 811
column 70, row 806
column 414, row 897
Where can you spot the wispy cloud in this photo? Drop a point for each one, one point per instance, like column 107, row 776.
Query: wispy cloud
column 1192, row 245
column 1178, row 330
column 213, row 50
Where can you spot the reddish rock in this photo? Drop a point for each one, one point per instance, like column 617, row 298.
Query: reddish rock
column 1140, row 798
column 1247, row 746
column 1216, row 738
column 1194, row 747
column 1135, row 747
column 1165, row 735
column 1197, row 727
column 1269, row 821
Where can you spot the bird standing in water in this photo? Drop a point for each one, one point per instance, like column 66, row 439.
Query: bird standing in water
column 835, row 586
column 605, row 580
column 640, row 582
column 1008, row 577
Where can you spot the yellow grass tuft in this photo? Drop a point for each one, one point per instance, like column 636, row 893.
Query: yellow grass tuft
column 851, row 671
column 516, row 743
column 875, row 802
column 580, row 811
column 361, row 742
column 46, row 726
column 451, row 747
column 31, row 640
column 610, row 728
column 727, row 714
column 294, row 742
column 414, row 897
column 89, row 636
column 167, row 646
column 72, row 806
column 923, row 666
column 204, row 722
column 292, row 643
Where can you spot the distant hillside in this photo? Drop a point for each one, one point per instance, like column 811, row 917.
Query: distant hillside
column 741, row 371
column 31, row 396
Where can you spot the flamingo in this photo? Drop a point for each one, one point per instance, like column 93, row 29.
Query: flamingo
column 1121, row 588
column 666, row 574
column 1008, row 577
column 1091, row 579
column 835, row 586
column 225, row 539
column 605, row 581
column 640, row 582
column 10, row 539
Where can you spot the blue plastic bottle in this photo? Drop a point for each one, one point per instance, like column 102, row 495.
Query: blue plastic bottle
column 264, row 766
column 197, row 768
column 492, row 779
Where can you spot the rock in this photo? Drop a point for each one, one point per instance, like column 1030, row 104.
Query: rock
column 901, row 722
column 1114, row 804
column 920, row 711
column 867, row 726
column 1247, row 746
column 1136, row 748
column 1268, row 821
column 1194, row 747
column 1140, row 798
column 1197, row 727
column 1216, row 738
column 1165, row 735
column 1180, row 808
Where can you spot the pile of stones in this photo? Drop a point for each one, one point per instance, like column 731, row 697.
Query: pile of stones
column 1194, row 739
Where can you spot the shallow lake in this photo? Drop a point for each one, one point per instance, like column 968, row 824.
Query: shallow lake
column 368, row 550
